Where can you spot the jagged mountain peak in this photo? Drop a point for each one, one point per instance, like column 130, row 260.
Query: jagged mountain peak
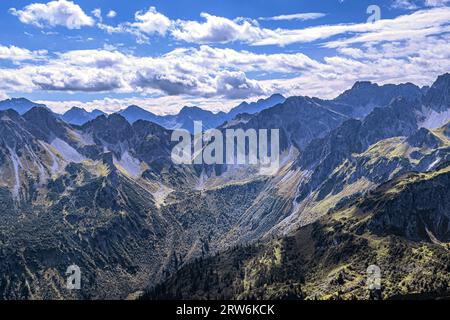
column 44, row 124
column 21, row 105
column 133, row 113
column 80, row 116
column 148, row 125
column 135, row 108
column 12, row 132
column 113, row 121
column 255, row 107
column 363, row 85
column 442, row 80
column 275, row 96
column 193, row 111
column 110, row 129
column 438, row 96
column 9, row 114
column 75, row 108
column 364, row 96
column 39, row 112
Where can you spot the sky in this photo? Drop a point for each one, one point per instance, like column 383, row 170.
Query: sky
column 163, row 55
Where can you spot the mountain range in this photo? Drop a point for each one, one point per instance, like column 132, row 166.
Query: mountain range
column 364, row 179
column 184, row 119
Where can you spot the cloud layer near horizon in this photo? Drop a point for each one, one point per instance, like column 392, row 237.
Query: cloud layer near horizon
column 413, row 47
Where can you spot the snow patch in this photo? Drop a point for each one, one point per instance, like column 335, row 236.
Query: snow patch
column 435, row 119
column 202, row 181
column 235, row 122
column 435, row 162
column 161, row 194
column 66, row 151
column 37, row 162
column 130, row 164
column 55, row 165
column 16, row 165
column 86, row 138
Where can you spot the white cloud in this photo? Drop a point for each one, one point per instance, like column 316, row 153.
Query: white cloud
column 410, row 48
column 436, row 3
column 155, row 104
column 419, row 24
column 215, row 29
column 111, row 14
column 54, row 13
column 431, row 21
column 223, row 30
column 218, row 30
column 151, row 22
column 236, row 85
column 3, row 96
column 414, row 4
column 295, row 16
column 17, row 54
column 146, row 23
column 97, row 13
column 223, row 73
column 77, row 80
column 404, row 4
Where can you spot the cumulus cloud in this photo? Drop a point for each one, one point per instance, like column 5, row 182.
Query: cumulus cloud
column 295, row 16
column 236, row 85
column 54, row 13
column 151, row 21
column 223, row 30
column 218, row 30
column 15, row 80
column 73, row 80
column 224, row 73
column 155, row 104
column 111, row 14
column 418, row 52
column 404, row 4
column 3, row 96
column 17, row 54
column 436, row 3
column 170, row 84
column 430, row 21
column 146, row 23
column 97, row 13
column 417, row 25
column 414, row 4
column 215, row 29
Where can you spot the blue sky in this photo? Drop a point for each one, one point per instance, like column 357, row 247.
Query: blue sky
column 163, row 55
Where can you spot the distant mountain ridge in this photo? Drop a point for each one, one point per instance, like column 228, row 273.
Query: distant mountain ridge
column 187, row 115
column 356, row 102
column 364, row 96
column 183, row 119
column 79, row 116
column 21, row 105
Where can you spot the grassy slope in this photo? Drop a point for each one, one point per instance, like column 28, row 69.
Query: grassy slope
column 328, row 259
